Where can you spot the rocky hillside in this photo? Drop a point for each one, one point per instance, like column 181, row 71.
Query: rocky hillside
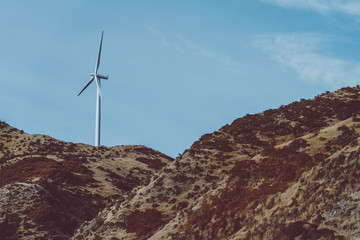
column 49, row 187
column 287, row 173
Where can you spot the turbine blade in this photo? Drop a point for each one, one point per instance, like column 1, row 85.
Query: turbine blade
column 90, row 81
column 99, row 54
column 98, row 87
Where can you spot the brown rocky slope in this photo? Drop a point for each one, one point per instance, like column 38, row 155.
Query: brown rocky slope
column 287, row 173
column 49, row 187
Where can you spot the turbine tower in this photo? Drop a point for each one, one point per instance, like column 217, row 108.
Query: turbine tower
column 97, row 77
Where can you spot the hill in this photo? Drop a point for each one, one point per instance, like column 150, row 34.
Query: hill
column 282, row 174
column 286, row 173
column 49, row 187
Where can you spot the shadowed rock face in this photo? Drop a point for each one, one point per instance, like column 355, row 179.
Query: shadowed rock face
column 287, row 173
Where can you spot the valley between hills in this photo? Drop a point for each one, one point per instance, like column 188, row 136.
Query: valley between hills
column 286, row 173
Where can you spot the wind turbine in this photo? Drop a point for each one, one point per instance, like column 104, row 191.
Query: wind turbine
column 97, row 77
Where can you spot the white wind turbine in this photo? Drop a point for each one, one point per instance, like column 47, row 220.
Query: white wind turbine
column 97, row 78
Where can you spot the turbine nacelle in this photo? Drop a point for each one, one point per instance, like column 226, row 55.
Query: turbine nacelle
column 100, row 76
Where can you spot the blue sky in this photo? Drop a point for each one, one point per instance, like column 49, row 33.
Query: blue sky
column 178, row 69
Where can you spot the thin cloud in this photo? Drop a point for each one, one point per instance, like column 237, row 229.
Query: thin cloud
column 302, row 53
column 166, row 39
column 181, row 43
column 349, row 7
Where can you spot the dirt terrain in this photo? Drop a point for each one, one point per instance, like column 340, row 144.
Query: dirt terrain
column 286, row 173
